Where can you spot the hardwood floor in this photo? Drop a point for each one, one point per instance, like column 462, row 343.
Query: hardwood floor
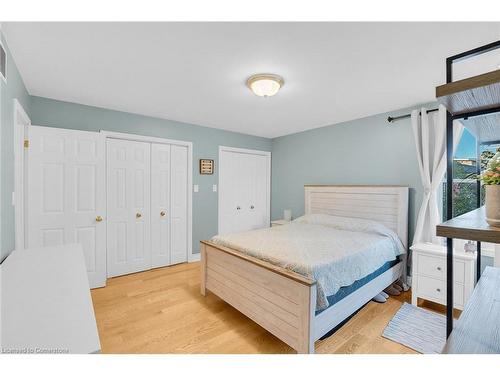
column 162, row 311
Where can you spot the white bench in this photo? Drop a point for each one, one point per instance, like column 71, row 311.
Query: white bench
column 477, row 329
column 46, row 305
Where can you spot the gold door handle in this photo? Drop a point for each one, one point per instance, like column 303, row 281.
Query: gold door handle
column 138, row 215
column 98, row 219
column 163, row 213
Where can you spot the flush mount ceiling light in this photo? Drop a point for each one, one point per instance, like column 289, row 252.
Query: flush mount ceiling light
column 265, row 84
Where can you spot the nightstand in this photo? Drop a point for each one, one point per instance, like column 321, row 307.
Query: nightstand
column 429, row 274
column 276, row 223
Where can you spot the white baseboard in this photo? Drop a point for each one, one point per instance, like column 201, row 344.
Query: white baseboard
column 194, row 258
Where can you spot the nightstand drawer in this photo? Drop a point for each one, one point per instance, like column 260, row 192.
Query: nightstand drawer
column 435, row 290
column 432, row 266
column 436, row 267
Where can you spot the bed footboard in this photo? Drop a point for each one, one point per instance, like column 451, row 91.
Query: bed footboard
column 280, row 301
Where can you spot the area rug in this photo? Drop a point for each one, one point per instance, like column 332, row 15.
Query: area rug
column 421, row 330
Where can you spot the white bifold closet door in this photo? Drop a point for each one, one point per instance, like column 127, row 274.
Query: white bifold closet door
column 128, row 203
column 160, row 205
column 147, row 205
column 169, row 190
column 255, row 198
column 179, row 199
column 65, row 195
column 243, row 190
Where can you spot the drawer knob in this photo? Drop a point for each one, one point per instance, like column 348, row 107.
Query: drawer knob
column 439, row 268
column 439, row 290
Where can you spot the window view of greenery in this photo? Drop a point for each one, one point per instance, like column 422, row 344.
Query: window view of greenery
column 465, row 174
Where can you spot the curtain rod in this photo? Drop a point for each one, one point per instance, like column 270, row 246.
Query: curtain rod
column 391, row 119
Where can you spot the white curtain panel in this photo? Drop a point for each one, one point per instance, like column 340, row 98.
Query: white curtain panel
column 429, row 130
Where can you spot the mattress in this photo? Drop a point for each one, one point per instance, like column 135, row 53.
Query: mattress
column 333, row 251
column 346, row 290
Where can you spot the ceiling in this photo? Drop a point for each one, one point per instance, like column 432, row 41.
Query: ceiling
column 196, row 72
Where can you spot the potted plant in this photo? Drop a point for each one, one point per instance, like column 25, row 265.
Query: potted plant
column 491, row 180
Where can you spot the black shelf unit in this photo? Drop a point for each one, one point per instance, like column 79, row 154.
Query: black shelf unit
column 449, row 173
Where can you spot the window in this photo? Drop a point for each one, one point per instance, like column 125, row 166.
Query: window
column 465, row 173
column 465, row 184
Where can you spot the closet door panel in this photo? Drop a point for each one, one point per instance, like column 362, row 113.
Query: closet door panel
column 160, row 204
column 258, row 192
column 118, row 223
column 242, row 184
column 225, row 192
column 129, row 182
column 243, row 191
column 141, row 176
column 65, row 175
column 179, row 191
column 232, row 187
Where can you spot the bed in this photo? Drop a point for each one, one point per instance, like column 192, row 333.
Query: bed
column 291, row 297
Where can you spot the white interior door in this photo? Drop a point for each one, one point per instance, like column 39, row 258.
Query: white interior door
column 128, row 205
column 230, row 187
column 256, row 200
column 21, row 122
column 160, row 205
column 179, row 204
column 65, row 194
column 244, row 189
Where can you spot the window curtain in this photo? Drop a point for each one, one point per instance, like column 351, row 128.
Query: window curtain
column 429, row 130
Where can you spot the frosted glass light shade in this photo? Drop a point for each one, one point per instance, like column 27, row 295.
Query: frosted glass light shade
column 265, row 84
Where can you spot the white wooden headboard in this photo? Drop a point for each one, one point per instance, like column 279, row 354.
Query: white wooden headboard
column 385, row 204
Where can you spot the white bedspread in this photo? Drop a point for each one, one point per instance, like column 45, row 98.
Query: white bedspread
column 334, row 251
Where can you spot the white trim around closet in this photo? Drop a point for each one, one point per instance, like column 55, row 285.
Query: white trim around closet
column 267, row 154
column 145, row 138
column 21, row 122
column 142, row 138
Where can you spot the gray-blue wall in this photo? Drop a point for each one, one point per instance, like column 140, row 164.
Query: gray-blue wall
column 206, row 141
column 365, row 151
column 12, row 89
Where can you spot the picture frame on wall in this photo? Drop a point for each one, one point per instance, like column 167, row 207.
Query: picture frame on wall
column 206, row 166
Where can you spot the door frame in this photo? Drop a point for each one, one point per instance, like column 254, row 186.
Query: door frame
column 267, row 154
column 143, row 138
column 21, row 123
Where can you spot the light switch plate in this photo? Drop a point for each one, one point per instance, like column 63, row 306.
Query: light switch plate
column 196, row 188
column 214, row 188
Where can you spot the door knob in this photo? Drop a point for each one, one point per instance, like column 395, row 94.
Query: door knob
column 138, row 215
column 162, row 213
column 98, row 219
